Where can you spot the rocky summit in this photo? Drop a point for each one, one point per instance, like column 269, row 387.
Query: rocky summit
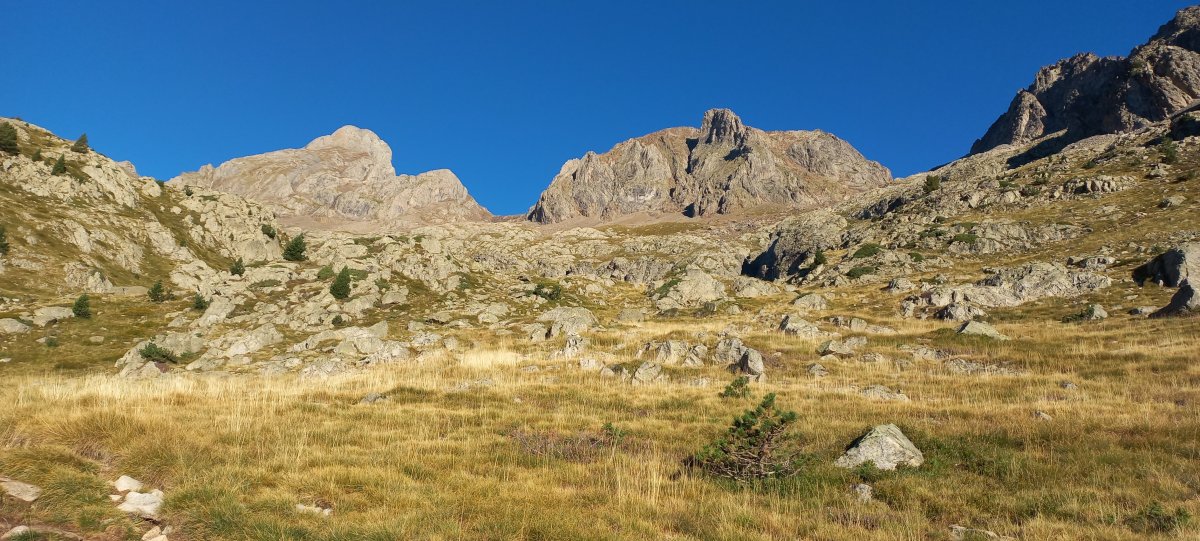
column 704, row 333
column 1086, row 95
column 722, row 168
column 343, row 180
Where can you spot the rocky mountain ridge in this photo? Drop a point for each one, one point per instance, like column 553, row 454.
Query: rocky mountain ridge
column 342, row 180
column 720, row 168
column 1086, row 95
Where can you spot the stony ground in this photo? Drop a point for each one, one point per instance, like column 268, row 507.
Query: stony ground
column 502, row 381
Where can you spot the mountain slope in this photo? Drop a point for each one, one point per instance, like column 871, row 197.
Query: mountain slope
column 1086, row 95
column 342, row 180
column 723, row 167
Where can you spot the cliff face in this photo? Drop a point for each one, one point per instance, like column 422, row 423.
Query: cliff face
column 343, row 177
column 1086, row 95
column 723, row 167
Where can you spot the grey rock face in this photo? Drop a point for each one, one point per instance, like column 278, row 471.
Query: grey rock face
column 345, row 176
column 1171, row 267
column 567, row 320
column 1086, row 95
column 723, row 167
column 691, row 289
column 794, row 245
column 51, row 314
column 885, row 446
column 1185, row 301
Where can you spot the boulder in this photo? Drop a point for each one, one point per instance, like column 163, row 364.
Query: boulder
column 811, row 301
column 885, row 446
column 979, row 328
column 631, row 315
column 839, row 348
column 126, row 483
column 740, row 358
column 881, row 392
column 1172, row 267
column 647, row 372
column 51, row 314
column 568, row 320
column 797, row 326
column 19, row 490
column 142, row 504
column 1185, row 301
column 12, row 326
column 691, row 289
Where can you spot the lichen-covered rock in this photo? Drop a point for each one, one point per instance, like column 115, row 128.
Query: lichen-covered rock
column 885, row 446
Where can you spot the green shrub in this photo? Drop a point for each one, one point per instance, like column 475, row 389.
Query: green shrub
column 262, row 284
column 157, row 354
column 3, row 241
column 756, row 447
column 859, row 272
column 1090, row 164
column 199, row 302
column 238, row 268
column 157, row 293
column 1169, row 151
column 550, row 291
column 340, row 288
column 268, row 230
column 81, row 144
column 338, row 321
column 965, row 238
column 325, row 273
column 82, row 307
column 51, row 341
column 1156, row 519
column 187, row 190
column 666, row 288
column 916, row 256
column 8, row 139
column 60, row 167
column 738, row 388
column 1006, row 184
column 867, row 250
column 932, row 183
column 37, row 155
column 819, row 258
column 1031, row 190
column 294, row 251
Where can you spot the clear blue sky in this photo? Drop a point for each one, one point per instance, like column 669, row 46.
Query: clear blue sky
column 504, row 92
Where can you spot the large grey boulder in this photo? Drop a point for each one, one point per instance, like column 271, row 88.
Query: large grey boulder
column 12, row 326
column 689, row 290
column 797, row 326
column 143, row 504
column 19, row 490
column 979, row 328
column 568, row 320
column 740, row 358
column 1172, row 267
column 51, row 314
column 885, row 446
column 647, row 372
column 1185, row 301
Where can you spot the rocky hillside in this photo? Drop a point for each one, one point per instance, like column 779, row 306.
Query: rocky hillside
column 1086, row 95
column 96, row 226
column 724, row 166
column 344, row 180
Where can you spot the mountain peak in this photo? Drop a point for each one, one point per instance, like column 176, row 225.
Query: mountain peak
column 722, row 126
column 355, row 139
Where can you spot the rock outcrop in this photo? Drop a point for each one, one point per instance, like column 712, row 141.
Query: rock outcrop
column 1086, row 95
column 723, row 167
column 343, row 180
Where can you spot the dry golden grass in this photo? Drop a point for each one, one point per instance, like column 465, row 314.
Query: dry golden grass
column 236, row 454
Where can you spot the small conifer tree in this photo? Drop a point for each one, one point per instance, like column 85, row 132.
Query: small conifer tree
column 82, row 307
column 340, row 289
column 238, row 268
column 199, row 302
column 81, row 144
column 157, row 293
column 60, row 167
column 294, row 251
column 8, row 139
column 3, row 241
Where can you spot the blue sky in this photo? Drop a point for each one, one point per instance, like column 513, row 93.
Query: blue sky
column 504, row 92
